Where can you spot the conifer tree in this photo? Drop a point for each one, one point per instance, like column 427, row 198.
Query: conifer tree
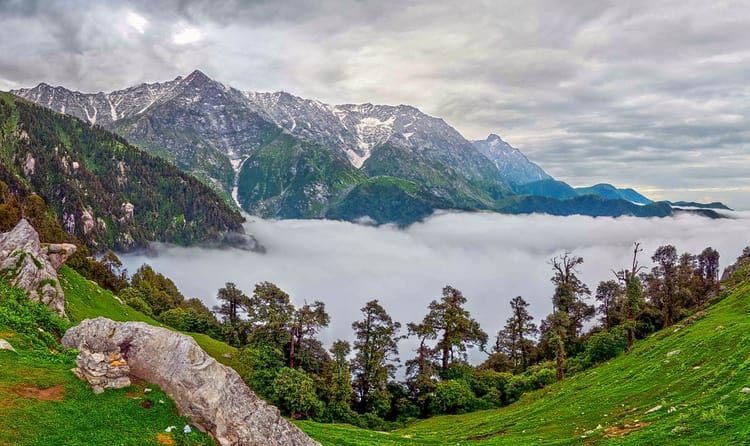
column 376, row 349
column 515, row 340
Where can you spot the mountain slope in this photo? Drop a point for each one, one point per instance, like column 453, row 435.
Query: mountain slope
column 224, row 137
column 104, row 191
column 291, row 178
column 511, row 163
column 685, row 385
column 592, row 205
column 610, row 192
column 386, row 199
column 550, row 188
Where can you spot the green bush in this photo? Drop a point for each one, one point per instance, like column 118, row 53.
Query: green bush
column 294, row 393
column 38, row 325
column 451, row 397
column 606, row 345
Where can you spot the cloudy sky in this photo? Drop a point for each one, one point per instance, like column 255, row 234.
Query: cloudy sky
column 647, row 94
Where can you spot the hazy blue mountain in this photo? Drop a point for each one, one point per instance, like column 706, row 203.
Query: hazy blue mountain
column 693, row 204
column 613, row 193
column 592, row 205
column 546, row 188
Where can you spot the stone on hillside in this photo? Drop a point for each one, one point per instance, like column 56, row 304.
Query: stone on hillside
column 211, row 394
column 745, row 390
column 673, row 353
column 32, row 266
column 5, row 345
column 103, row 370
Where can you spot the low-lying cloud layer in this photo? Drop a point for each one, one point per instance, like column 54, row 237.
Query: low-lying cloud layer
column 637, row 93
column 490, row 257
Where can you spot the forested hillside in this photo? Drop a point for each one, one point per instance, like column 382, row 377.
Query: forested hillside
column 99, row 188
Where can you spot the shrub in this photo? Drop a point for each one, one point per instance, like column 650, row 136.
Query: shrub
column 294, row 393
column 606, row 345
column 454, row 396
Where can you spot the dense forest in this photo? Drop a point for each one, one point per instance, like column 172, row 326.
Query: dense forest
column 355, row 382
column 101, row 190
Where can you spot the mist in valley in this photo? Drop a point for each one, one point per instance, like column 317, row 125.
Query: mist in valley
column 490, row 257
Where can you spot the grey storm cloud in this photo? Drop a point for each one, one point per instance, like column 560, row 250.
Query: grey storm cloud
column 491, row 258
column 635, row 93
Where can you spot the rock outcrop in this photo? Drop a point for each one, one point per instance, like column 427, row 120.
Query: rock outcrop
column 32, row 266
column 211, row 394
column 103, row 370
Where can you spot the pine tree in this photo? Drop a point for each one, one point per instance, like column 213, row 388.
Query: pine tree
column 376, row 349
column 515, row 339
column 453, row 326
column 233, row 302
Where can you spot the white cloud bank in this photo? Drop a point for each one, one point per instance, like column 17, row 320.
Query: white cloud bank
column 490, row 257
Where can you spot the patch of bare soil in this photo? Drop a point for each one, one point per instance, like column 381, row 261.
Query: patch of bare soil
column 625, row 428
column 165, row 439
column 54, row 393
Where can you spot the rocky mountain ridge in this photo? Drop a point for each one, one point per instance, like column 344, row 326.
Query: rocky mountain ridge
column 282, row 156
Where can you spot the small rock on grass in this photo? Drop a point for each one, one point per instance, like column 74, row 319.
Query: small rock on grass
column 5, row 345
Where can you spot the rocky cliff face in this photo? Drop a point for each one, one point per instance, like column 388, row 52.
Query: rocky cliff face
column 210, row 130
column 513, row 164
column 32, row 266
column 213, row 395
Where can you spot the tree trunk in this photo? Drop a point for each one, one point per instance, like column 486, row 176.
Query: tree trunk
column 631, row 337
column 559, row 358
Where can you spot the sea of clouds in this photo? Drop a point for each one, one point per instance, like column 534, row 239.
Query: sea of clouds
column 490, row 257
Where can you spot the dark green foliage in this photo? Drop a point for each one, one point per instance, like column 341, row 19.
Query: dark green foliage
column 452, row 396
column 604, row 345
column 388, row 200
column 453, row 327
column 294, row 393
column 107, row 272
column 263, row 362
column 90, row 176
column 376, row 348
column 340, row 390
column 592, row 205
column 610, row 296
column 516, row 339
column 37, row 328
column 156, row 289
column 232, row 301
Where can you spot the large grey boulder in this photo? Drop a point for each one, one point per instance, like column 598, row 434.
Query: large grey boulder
column 211, row 394
column 32, row 266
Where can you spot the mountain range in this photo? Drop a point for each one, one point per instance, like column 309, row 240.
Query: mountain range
column 282, row 156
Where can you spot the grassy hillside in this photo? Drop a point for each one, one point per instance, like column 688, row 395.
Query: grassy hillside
column 682, row 386
column 84, row 299
column 43, row 403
